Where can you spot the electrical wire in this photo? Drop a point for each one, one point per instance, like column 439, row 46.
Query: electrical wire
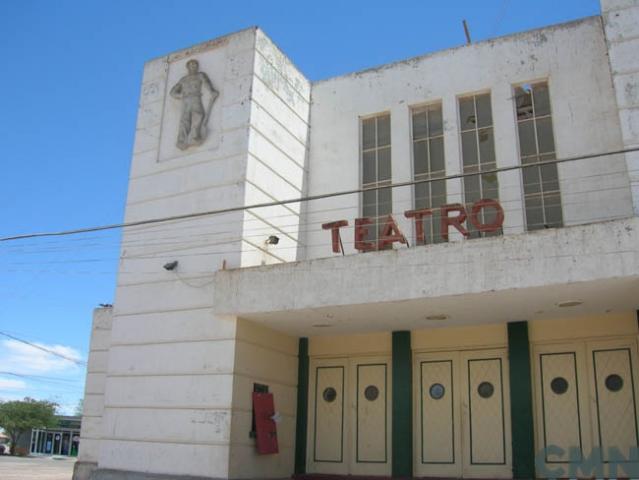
column 44, row 349
column 307, row 198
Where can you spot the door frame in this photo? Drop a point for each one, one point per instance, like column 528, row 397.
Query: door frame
column 349, row 464
column 462, row 467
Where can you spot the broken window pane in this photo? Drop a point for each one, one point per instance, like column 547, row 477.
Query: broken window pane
column 542, row 100
column 524, row 105
column 467, row 113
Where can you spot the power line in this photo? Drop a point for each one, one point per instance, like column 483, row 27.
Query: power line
column 39, row 377
column 310, row 197
column 44, row 349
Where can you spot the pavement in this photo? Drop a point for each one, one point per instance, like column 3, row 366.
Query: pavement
column 36, row 468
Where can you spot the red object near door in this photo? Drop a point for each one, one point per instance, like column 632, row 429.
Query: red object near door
column 265, row 427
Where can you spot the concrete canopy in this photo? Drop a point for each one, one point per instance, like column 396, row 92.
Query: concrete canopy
column 492, row 280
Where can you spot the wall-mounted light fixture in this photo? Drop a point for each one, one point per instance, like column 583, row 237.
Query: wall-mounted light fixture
column 272, row 240
column 171, row 265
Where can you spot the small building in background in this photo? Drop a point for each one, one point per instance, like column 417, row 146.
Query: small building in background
column 63, row 439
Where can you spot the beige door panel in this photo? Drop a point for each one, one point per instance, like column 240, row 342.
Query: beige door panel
column 613, row 367
column 486, row 414
column 561, row 404
column 327, row 405
column 370, row 413
column 437, row 432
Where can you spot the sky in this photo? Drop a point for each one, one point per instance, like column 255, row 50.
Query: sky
column 69, row 88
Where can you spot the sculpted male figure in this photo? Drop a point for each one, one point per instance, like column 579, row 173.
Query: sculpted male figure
column 194, row 118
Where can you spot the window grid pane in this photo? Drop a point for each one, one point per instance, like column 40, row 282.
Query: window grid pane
column 542, row 198
column 478, row 155
column 375, row 160
column 428, row 164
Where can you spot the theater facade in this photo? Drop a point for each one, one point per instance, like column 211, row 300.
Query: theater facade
column 425, row 269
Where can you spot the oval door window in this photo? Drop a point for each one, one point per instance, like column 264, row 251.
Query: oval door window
column 559, row 385
column 329, row 394
column 371, row 392
column 614, row 382
column 485, row 389
column 436, row 391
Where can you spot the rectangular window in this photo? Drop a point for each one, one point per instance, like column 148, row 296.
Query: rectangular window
column 376, row 172
column 428, row 164
column 478, row 155
column 542, row 199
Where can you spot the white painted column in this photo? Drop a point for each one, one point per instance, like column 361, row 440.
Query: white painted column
column 507, row 154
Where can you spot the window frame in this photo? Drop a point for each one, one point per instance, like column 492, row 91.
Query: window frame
column 533, row 119
column 374, row 228
column 429, row 221
column 479, row 166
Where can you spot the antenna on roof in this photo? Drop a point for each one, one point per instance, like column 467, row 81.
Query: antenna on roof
column 467, row 32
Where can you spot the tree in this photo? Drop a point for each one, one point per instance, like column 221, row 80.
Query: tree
column 20, row 416
column 79, row 408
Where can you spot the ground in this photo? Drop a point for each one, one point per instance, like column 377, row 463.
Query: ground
column 36, row 468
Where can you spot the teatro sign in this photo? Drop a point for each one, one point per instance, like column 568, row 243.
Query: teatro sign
column 391, row 233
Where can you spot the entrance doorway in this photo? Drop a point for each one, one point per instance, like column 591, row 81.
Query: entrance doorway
column 462, row 414
column 350, row 416
column 586, row 407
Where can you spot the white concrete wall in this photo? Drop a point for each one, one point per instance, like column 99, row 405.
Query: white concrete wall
column 276, row 161
column 93, row 406
column 169, row 382
column 269, row 358
column 571, row 57
column 621, row 22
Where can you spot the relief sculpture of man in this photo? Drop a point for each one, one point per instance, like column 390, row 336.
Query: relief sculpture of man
column 194, row 117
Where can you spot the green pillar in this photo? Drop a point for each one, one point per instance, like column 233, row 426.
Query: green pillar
column 521, row 406
column 402, row 406
column 301, row 421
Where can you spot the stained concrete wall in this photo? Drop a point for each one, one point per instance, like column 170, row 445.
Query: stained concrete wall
column 169, row 382
column 277, row 147
column 93, row 406
column 621, row 22
column 266, row 357
column 571, row 57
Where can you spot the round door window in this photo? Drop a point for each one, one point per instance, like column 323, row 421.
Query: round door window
column 485, row 389
column 329, row 394
column 371, row 392
column 559, row 385
column 436, row 391
column 614, row 382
